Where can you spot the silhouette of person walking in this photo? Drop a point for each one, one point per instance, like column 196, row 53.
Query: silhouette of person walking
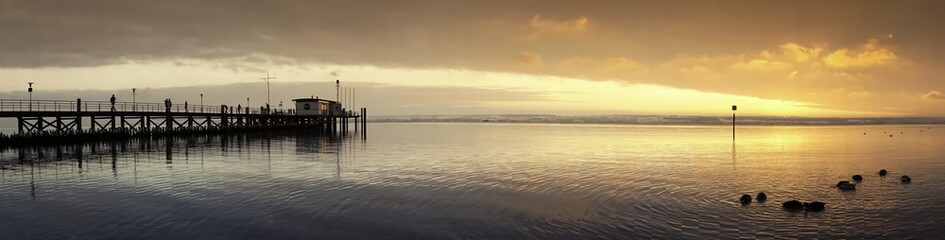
column 239, row 108
column 112, row 100
column 185, row 107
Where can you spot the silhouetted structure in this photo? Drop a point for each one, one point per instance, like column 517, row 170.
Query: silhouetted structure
column 53, row 119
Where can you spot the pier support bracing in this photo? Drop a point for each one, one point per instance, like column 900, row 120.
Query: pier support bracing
column 77, row 120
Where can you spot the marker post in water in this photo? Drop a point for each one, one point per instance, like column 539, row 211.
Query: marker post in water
column 733, row 121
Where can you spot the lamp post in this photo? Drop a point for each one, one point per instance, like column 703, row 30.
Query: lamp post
column 30, row 90
column 134, row 101
column 267, row 78
column 733, row 121
column 201, row 102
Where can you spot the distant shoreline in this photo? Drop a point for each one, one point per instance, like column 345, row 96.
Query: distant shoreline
column 659, row 120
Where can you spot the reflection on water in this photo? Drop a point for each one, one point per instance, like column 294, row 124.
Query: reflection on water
column 480, row 181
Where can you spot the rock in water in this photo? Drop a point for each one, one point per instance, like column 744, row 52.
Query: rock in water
column 882, row 172
column 745, row 200
column 762, row 197
column 906, row 178
column 793, row 205
column 846, row 185
column 857, row 178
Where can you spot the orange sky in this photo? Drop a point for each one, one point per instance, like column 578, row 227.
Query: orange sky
column 797, row 58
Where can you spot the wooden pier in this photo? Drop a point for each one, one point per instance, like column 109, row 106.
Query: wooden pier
column 52, row 119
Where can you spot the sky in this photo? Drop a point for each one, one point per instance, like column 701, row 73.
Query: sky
column 771, row 58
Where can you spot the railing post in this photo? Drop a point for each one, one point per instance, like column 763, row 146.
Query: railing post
column 78, row 116
column 223, row 117
column 168, row 118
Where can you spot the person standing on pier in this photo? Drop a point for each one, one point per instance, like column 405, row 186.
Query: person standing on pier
column 112, row 100
column 185, row 107
column 239, row 108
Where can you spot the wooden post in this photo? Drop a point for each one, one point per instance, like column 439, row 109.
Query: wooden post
column 363, row 123
column 78, row 118
column 19, row 124
column 223, row 117
column 733, row 121
column 168, row 119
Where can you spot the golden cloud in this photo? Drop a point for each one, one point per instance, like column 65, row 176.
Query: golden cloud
column 529, row 58
column 539, row 26
column 934, row 95
column 799, row 53
column 621, row 67
column 871, row 55
column 762, row 65
column 789, row 71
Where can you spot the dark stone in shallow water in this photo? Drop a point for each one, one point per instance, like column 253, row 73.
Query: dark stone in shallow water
column 857, row 178
column 746, row 199
column 906, row 178
column 762, row 197
column 846, row 185
column 882, row 172
column 793, row 205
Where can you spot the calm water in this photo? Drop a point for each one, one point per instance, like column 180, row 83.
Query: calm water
column 483, row 181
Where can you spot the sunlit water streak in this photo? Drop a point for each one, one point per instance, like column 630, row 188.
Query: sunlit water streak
column 493, row 181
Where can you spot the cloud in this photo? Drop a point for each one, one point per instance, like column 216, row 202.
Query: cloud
column 695, row 45
column 934, row 95
column 528, row 58
column 871, row 54
column 539, row 26
column 762, row 65
column 800, row 53
column 620, row 67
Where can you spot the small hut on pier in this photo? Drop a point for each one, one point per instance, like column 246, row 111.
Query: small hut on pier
column 317, row 107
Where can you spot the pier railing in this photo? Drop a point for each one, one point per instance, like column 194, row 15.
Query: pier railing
column 20, row 105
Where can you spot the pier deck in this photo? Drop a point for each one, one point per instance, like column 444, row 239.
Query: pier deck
column 51, row 118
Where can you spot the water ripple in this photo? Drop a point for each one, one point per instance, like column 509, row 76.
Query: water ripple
column 482, row 181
